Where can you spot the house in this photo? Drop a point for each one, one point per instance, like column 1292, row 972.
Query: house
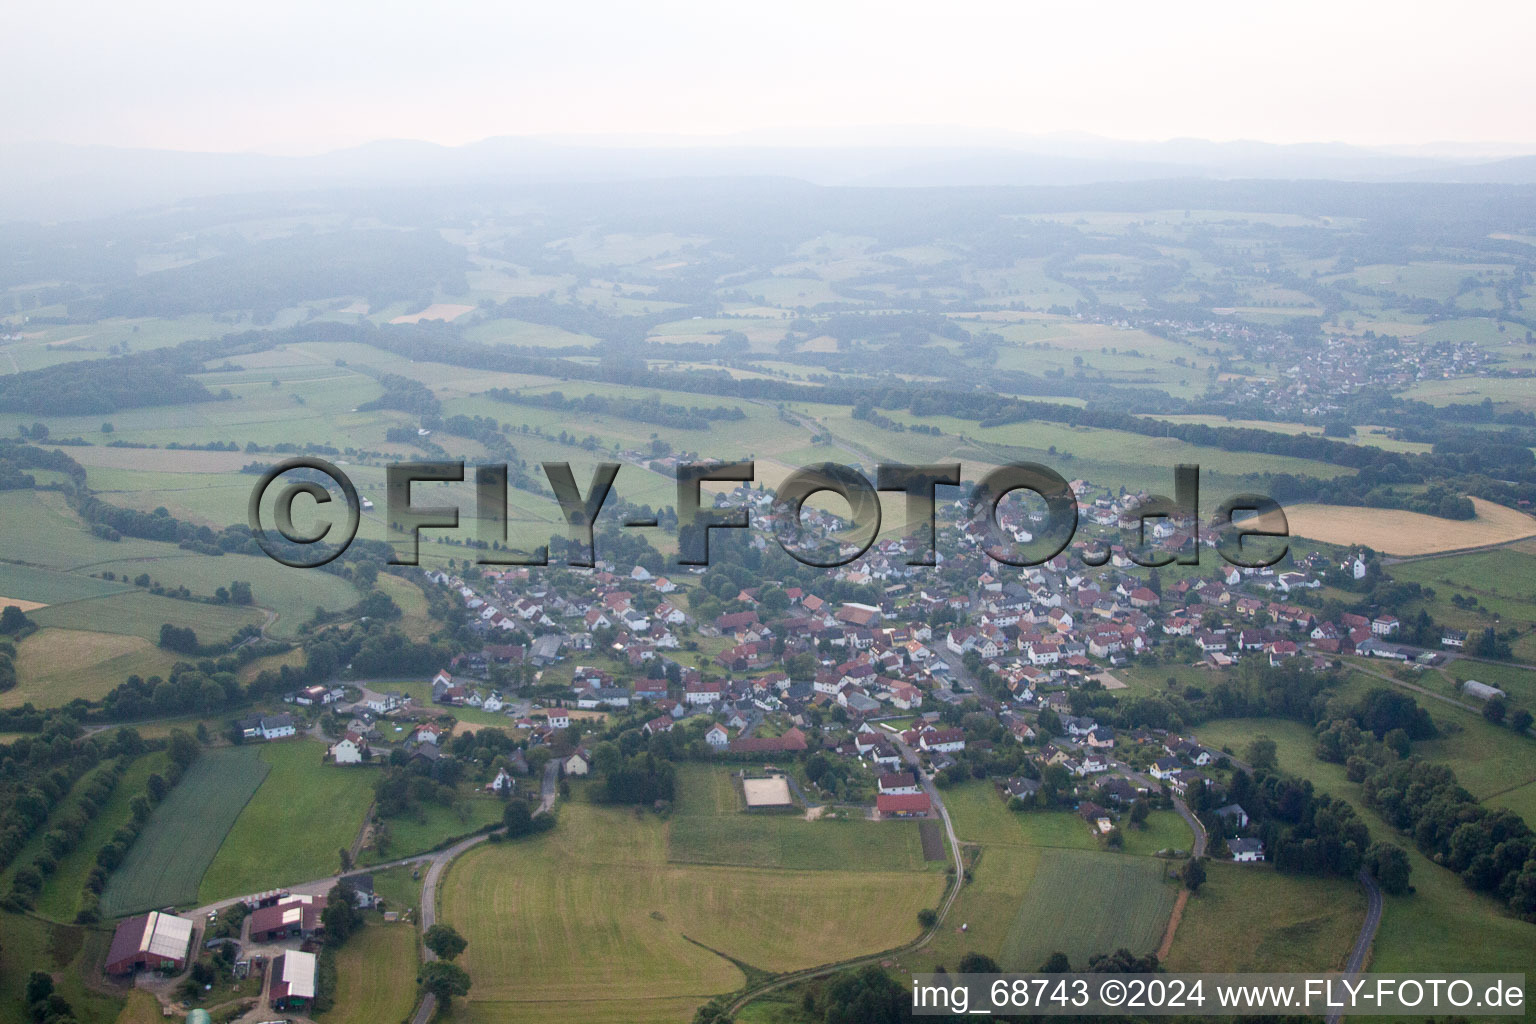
column 1453, row 638
column 150, row 942
column 501, row 783
column 428, row 732
column 559, row 718
column 702, row 693
column 1246, row 850
column 1166, row 768
column 1233, row 813
column 1022, row 788
column 945, row 741
column 909, row 805
column 293, row 981
column 898, row 783
column 362, row 890
column 1385, row 625
column 350, row 749
column 268, row 727
column 579, row 763
column 718, row 736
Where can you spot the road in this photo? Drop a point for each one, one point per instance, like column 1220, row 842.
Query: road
column 784, row 981
column 440, row 862
column 1367, row 932
column 1201, row 839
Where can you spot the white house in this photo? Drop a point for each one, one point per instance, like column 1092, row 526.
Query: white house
column 1246, row 850
column 718, row 736
column 275, row 727
column 577, row 764
column 559, row 718
column 350, row 749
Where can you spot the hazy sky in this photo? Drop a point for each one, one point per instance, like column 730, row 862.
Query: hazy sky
column 289, row 77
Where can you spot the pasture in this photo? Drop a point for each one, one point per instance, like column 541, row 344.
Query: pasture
column 184, row 834
column 1249, row 917
column 375, row 976
column 591, row 922
column 1408, row 533
column 433, row 824
column 290, row 831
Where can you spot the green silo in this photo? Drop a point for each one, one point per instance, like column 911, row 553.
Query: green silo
column 199, row 1016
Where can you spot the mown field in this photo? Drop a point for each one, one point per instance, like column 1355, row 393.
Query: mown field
column 1083, row 903
column 54, row 666
column 72, row 955
column 184, row 834
column 591, row 922
column 1033, row 875
column 375, row 976
column 294, row 825
column 1249, row 917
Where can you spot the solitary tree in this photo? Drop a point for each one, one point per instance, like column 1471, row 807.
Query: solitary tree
column 1193, row 874
column 444, row 980
column 443, row 940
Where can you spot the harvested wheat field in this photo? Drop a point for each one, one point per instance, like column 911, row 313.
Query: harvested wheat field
column 1395, row 532
column 16, row 602
column 445, row 311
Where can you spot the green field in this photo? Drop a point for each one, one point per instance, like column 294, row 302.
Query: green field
column 1083, row 903
column 375, row 976
column 141, row 614
column 1249, row 917
column 1442, row 922
column 293, row 827
column 434, row 824
column 592, row 922
column 185, row 833
column 707, row 828
column 54, row 666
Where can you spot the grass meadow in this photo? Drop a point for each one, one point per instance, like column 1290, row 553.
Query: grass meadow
column 292, row 828
column 375, row 976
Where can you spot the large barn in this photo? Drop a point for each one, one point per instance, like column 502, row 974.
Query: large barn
column 296, row 917
column 152, row 941
column 293, row 981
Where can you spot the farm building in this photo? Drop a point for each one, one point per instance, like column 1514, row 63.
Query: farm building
column 152, row 941
column 297, row 917
column 764, row 793
column 1482, row 691
column 902, row 805
column 293, row 981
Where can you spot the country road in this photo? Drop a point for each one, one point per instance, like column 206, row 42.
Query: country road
column 1367, row 933
column 439, row 864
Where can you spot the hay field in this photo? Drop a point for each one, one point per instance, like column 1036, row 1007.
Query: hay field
column 1408, row 533
column 1095, row 903
column 54, row 666
column 591, row 923
column 375, row 976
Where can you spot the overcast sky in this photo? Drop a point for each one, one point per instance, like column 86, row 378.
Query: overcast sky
column 281, row 76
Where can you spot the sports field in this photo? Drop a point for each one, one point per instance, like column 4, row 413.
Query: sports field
column 293, row 827
column 1408, row 533
column 591, row 922
column 183, row 835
